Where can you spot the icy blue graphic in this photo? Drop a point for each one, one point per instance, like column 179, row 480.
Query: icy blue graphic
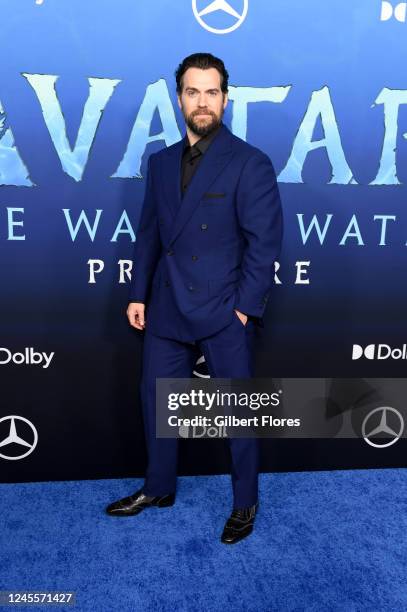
column 352, row 231
column 242, row 96
column 391, row 100
column 12, row 169
column 156, row 97
column 12, row 222
column 124, row 227
column 320, row 106
column 82, row 220
column 100, row 90
column 314, row 224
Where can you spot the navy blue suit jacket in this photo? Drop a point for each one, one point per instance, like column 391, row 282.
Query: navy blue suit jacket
column 198, row 258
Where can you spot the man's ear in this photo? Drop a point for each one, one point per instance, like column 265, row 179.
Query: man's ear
column 225, row 101
column 179, row 101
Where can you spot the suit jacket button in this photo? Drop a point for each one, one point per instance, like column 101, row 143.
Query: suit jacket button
column 204, row 226
column 194, row 257
column 190, row 287
column 170, row 252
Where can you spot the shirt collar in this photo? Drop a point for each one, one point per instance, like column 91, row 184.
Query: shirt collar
column 203, row 143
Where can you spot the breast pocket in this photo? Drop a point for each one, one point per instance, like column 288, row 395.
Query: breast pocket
column 214, row 198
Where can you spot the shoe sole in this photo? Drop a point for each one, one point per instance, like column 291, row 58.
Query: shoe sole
column 162, row 503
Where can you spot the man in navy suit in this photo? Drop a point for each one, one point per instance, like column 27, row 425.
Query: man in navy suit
column 209, row 234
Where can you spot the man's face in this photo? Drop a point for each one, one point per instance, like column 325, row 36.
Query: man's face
column 202, row 101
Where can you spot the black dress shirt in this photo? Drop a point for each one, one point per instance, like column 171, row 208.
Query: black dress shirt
column 192, row 155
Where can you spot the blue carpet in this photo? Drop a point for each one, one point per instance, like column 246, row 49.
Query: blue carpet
column 322, row 541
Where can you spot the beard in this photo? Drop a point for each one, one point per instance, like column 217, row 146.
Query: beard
column 202, row 126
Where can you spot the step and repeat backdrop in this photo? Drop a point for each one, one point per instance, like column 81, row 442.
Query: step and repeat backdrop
column 87, row 93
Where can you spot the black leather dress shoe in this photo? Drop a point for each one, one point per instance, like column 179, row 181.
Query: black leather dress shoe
column 133, row 504
column 239, row 525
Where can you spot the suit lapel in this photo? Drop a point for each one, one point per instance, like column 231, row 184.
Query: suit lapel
column 211, row 165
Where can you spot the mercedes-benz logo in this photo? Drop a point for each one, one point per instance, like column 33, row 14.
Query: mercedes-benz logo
column 220, row 5
column 196, row 372
column 383, row 427
column 14, row 438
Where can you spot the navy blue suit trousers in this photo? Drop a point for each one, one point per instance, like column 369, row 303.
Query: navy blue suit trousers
column 228, row 354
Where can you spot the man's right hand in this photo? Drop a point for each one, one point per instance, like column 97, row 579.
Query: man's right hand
column 135, row 315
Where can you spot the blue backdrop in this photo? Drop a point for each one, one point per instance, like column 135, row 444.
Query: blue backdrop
column 87, row 93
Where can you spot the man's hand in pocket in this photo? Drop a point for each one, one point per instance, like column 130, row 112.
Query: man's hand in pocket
column 241, row 316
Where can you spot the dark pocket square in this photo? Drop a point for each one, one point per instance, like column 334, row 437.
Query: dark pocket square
column 214, row 195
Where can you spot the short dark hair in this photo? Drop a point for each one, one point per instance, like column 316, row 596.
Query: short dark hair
column 202, row 61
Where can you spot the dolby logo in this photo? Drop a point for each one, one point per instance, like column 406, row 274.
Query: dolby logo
column 379, row 351
column 28, row 357
column 396, row 11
